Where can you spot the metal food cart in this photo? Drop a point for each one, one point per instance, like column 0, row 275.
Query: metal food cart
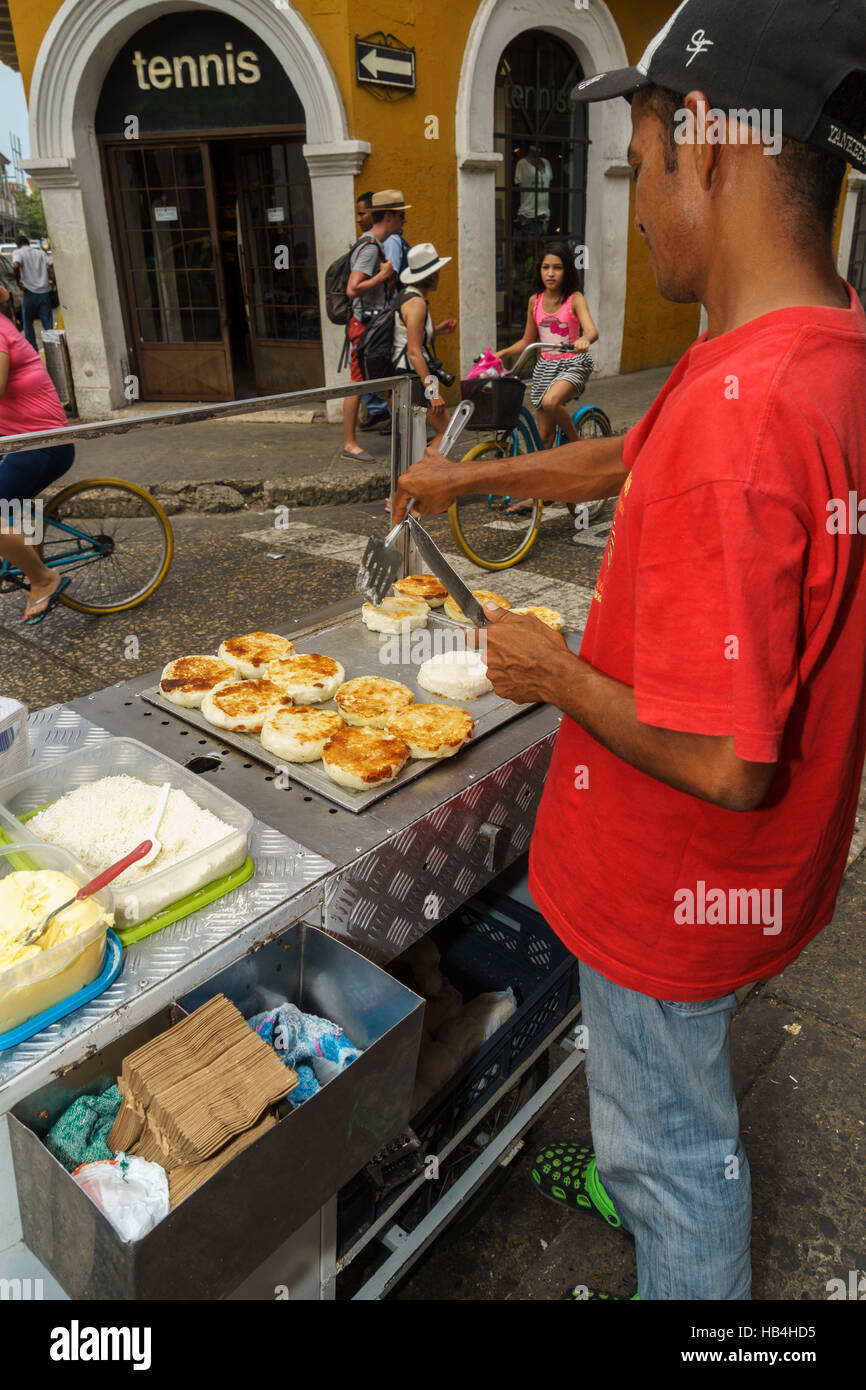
column 375, row 882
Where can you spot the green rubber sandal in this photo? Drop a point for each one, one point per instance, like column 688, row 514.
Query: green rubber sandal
column 581, row 1294
column 567, row 1174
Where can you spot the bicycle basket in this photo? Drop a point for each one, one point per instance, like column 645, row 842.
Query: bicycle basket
column 497, row 401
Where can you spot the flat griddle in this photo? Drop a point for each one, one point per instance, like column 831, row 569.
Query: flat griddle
column 361, row 653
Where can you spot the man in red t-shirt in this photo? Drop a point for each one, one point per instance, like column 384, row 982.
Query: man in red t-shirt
column 699, row 805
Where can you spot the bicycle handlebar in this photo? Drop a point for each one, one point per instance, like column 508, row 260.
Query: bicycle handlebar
column 537, row 347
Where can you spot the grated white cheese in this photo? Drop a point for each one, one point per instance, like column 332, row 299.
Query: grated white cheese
column 102, row 822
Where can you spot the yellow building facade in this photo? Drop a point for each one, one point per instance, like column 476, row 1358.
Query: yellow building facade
column 199, row 165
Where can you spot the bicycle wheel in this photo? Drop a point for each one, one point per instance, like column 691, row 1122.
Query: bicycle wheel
column 113, row 538
column 591, row 422
column 485, row 531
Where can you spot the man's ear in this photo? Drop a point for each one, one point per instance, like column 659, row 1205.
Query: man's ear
column 703, row 133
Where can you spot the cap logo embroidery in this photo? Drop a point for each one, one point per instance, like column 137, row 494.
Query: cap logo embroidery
column 698, row 45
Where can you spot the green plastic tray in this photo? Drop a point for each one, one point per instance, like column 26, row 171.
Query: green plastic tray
column 191, row 903
column 175, row 911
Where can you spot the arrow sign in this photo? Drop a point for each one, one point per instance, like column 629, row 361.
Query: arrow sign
column 387, row 67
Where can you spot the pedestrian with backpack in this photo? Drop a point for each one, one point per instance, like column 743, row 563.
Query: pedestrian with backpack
column 367, row 289
column 415, row 331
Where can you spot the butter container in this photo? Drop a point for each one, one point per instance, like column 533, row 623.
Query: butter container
column 30, row 986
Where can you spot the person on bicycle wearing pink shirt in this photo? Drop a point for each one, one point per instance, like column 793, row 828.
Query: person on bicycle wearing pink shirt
column 29, row 404
column 557, row 316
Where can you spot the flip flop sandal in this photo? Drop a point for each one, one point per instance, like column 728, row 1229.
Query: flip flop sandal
column 363, row 457
column 567, row 1174
column 581, row 1294
column 53, row 599
column 525, row 510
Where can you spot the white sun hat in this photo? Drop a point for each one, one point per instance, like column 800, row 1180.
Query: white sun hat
column 423, row 260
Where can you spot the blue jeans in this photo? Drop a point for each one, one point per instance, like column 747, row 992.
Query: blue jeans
column 377, row 406
column 36, row 306
column 665, row 1130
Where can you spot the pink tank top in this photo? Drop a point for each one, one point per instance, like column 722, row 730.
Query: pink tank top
column 557, row 329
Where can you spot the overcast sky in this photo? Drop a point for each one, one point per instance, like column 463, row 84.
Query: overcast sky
column 13, row 112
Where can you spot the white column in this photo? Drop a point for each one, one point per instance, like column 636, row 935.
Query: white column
column 86, row 279
column 333, row 169
column 476, row 243
column 856, row 181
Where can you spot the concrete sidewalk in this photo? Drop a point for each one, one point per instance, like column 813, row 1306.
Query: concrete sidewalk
column 282, row 457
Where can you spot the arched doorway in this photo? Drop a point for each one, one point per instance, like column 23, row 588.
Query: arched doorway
column 211, row 212
column 541, row 135
column 78, row 49
column 591, row 37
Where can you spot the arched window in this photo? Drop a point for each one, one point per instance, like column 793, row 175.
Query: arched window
column 541, row 183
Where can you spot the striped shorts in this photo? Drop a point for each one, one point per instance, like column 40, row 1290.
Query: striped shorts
column 576, row 369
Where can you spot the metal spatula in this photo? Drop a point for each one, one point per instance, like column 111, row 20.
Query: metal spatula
column 382, row 561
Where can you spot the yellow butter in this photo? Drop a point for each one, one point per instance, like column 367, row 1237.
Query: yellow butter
column 25, row 897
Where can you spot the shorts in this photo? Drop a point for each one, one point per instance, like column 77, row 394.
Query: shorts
column 355, row 329
column 23, row 475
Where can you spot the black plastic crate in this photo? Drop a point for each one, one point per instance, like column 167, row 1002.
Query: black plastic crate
column 491, row 942
column 497, row 401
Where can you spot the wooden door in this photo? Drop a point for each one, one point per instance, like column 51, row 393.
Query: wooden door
column 279, row 260
column 166, row 233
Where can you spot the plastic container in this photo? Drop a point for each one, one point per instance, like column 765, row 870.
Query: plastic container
column 39, row 786
column 31, row 986
column 497, row 402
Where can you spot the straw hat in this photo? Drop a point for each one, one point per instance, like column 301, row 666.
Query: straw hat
column 389, row 200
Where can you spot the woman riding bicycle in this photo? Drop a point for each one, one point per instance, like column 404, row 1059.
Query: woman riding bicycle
column 29, row 404
column 557, row 315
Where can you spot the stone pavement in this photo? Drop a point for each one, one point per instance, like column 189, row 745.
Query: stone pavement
column 289, row 457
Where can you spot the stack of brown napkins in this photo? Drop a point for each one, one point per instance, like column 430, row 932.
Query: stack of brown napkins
column 196, row 1096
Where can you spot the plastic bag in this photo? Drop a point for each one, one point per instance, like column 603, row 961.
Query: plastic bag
column 487, row 365
column 130, row 1191
column 491, row 1010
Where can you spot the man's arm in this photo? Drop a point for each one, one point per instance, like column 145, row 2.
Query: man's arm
column 526, row 661
column 4, row 372
column 576, row 472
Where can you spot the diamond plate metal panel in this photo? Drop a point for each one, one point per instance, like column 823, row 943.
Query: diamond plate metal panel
column 390, row 897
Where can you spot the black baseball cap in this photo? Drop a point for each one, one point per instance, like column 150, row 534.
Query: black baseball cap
column 787, row 55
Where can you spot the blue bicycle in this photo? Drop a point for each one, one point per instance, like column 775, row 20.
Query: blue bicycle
column 491, row 530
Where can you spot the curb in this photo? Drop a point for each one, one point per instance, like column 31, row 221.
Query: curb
column 247, row 494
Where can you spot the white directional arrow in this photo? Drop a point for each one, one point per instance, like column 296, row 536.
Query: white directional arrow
column 377, row 65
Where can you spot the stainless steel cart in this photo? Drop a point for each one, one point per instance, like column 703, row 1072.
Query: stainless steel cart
column 377, row 881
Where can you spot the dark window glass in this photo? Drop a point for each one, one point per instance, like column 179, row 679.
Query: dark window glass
column 158, row 168
column 130, row 168
column 192, row 206
column 150, row 325
column 188, row 166
column 202, row 289
column 146, row 291
column 541, row 183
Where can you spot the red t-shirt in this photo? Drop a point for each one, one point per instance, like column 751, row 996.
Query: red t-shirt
column 30, row 402
column 733, row 604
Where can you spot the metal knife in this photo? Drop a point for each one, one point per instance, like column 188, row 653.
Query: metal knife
column 433, row 557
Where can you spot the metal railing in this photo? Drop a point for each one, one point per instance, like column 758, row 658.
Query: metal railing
column 408, row 434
